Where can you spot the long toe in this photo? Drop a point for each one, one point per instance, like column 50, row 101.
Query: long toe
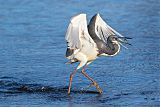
column 97, row 87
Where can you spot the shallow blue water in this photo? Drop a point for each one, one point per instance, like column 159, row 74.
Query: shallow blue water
column 32, row 57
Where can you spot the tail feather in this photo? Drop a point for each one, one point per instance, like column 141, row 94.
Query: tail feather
column 69, row 52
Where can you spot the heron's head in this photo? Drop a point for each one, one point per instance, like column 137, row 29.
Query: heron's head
column 113, row 39
column 118, row 40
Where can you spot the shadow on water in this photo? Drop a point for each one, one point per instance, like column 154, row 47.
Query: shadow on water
column 8, row 85
column 12, row 86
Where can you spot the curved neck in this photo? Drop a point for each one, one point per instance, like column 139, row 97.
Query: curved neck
column 111, row 49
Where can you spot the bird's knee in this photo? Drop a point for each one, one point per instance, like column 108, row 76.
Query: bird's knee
column 82, row 71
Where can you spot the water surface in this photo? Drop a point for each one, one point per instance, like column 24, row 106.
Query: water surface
column 32, row 61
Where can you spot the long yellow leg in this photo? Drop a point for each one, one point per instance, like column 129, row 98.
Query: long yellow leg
column 70, row 80
column 94, row 82
column 71, row 75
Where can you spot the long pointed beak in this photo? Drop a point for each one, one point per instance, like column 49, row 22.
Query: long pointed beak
column 123, row 40
column 125, row 37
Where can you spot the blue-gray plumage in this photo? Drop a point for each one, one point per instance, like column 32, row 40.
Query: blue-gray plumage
column 85, row 44
column 104, row 42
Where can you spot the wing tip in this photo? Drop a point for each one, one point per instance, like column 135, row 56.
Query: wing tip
column 98, row 15
column 77, row 17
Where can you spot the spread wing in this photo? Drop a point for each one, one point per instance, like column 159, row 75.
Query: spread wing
column 77, row 30
column 102, row 29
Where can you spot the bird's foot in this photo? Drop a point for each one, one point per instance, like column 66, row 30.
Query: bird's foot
column 97, row 87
